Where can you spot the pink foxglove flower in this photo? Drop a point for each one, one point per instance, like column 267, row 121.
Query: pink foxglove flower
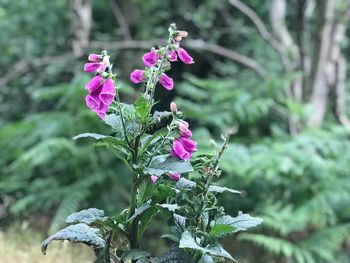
column 174, row 176
column 94, row 83
column 94, row 67
column 184, row 56
column 178, row 150
column 107, row 92
column 166, row 81
column 153, row 178
column 95, row 57
column 137, row 76
column 92, row 100
column 102, row 110
column 150, row 58
column 171, row 54
column 189, row 145
column 184, row 130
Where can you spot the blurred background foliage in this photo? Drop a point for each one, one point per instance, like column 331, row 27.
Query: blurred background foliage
column 274, row 70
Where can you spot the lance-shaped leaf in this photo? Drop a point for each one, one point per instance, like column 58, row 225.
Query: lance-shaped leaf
column 163, row 164
column 79, row 233
column 142, row 108
column 184, row 183
column 220, row 189
column 87, row 216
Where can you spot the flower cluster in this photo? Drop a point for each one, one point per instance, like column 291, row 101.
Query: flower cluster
column 101, row 86
column 183, row 147
column 162, row 57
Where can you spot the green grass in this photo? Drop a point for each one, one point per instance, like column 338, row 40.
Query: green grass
column 22, row 245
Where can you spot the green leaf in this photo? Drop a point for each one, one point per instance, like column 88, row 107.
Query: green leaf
column 184, row 183
column 220, row 230
column 220, row 189
column 242, row 222
column 134, row 254
column 142, row 208
column 79, row 233
column 206, row 259
column 188, row 241
column 175, row 254
column 162, row 165
column 142, row 107
column 90, row 135
column 87, row 216
column 170, row 207
column 145, row 220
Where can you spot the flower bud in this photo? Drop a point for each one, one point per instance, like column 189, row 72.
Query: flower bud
column 173, row 107
column 182, row 33
column 153, row 178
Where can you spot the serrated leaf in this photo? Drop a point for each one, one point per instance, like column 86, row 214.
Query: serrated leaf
column 87, row 216
column 142, row 107
column 220, row 230
column 170, row 164
column 114, row 121
column 188, row 241
column 242, row 222
column 134, row 254
column 79, row 233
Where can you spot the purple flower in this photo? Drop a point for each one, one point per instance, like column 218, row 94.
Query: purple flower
column 179, row 151
column 184, row 130
column 92, row 100
column 184, row 56
column 95, row 57
column 174, row 176
column 189, row 145
column 153, row 178
column 92, row 67
column 150, row 58
column 166, row 81
column 171, row 54
column 107, row 92
column 137, row 76
column 94, row 83
column 102, row 110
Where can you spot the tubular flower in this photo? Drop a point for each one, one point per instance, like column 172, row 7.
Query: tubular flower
column 174, row 176
column 166, row 81
column 184, row 130
column 137, row 76
column 150, row 58
column 178, row 150
column 94, row 67
column 95, row 57
column 94, row 83
column 153, row 178
column 171, row 54
column 107, row 93
column 188, row 144
column 184, row 56
column 102, row 110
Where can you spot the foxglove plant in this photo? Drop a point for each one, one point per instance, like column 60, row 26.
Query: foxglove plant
column 157, row 149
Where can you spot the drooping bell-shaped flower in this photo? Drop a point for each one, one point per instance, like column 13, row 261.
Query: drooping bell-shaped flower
column 92, row 100
column 189, row 145
column 150, row 58
column 94, row 83
column 174, row 176
column 178, row 150
column 171, row 54
column 94, row 67
column 166, row 81
column 137, row 76
column 107, row 92
column 102, row 110
column 153, row 179
column 95, row 57
column 184, row 56
column 184, row 130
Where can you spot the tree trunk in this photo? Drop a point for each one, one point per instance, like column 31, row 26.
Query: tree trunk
column 81, row 25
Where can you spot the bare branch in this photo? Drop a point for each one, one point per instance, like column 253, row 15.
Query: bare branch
column 259, row 24
column 118, row 15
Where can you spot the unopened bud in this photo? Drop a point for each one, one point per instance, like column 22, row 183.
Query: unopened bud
column 173, row 107
column 178, row 38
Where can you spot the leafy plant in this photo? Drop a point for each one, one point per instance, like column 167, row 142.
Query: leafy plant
column 156, row 149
